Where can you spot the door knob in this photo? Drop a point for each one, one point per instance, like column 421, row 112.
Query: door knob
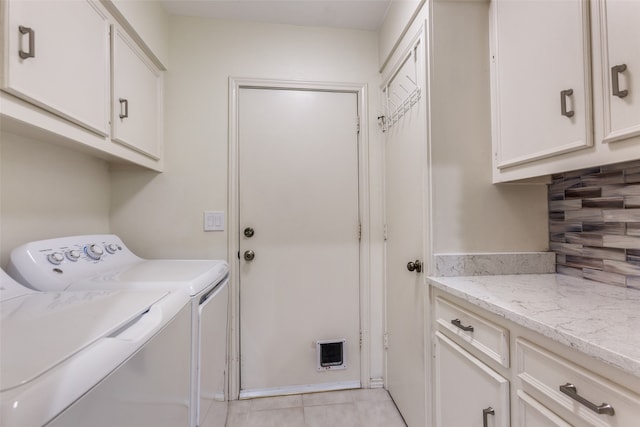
column 414, row 266
column 249, row 232
column 249, row 255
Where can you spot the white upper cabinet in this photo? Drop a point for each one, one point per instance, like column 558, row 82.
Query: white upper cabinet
column 545, row 57
column 56, row 56
column 137, row 98
column 77, row 73
column 541, row 83
column 619, row 37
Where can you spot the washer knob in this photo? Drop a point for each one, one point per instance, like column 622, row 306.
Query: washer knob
column 111, row 248
column 55, row 258
column 73, row 255
column 94, row 251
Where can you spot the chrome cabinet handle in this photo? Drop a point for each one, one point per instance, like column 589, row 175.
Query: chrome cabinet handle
column 32, row 43
column 415, row 266
column 564, row 94
column 125, row 103
column 615, row 83
column 571, row 391
column 458, row 323
column 485, row 414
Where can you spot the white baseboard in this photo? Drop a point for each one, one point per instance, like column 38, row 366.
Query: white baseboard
column 298, row 389
column 377, row 383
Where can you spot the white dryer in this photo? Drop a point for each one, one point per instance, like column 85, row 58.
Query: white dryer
column 90, row 357
column 102, row 262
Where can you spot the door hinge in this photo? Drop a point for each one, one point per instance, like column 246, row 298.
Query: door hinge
column 358, row 124
column 360, row 339
column 385, row 340
column 384, row 232
column 360, row 231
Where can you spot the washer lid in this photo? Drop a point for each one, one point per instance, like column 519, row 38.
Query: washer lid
column 9, row 288
column 191, row 276
column 41, row 330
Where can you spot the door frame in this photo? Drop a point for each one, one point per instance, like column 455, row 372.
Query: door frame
column 233, row 227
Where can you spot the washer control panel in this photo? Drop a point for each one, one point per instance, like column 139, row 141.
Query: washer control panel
column 54, row 263
column 89, row 252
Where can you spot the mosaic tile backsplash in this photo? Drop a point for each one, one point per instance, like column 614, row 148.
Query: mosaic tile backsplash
column 594, row 223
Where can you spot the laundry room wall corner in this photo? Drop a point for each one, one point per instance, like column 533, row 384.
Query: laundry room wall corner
column 161, row 214
column 47, row 190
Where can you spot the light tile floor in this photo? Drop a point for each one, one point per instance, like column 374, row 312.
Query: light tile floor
column 345, row 408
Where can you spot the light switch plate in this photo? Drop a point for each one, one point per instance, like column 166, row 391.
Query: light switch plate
column 213, row 221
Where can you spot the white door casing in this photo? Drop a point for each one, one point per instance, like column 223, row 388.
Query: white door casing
column 406, row 218
column 294, row 175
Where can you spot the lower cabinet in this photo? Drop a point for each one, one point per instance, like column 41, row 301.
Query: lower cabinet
column 467, row 392
column 547, row 384
column 581, row 396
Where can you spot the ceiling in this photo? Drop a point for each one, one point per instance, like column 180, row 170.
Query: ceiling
column 355, row 14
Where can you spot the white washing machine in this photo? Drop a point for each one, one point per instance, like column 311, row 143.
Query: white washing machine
column 104, row 262
column 96, row 357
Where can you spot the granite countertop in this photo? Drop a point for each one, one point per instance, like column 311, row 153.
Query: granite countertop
column 600, row 320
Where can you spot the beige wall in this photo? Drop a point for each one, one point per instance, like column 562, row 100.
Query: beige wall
column 49, row 191
column 468, row 213
column 160, row 215
column 149, row 20
column 399, row 14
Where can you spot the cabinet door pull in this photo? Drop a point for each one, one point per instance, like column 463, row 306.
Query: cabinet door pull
column 563, row 102
column 32, row 43
column 615, row 82
column 456, row 322
column 571, row 391
column 485, row 414
column 124, row 103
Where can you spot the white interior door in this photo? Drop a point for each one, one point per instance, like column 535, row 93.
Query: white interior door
column 298, row 192
column 405, row 193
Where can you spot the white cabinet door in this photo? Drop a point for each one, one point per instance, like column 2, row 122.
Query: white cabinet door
column 619, row 39
column 137, row 98
column 467, row 392
column 56, row 56
column 541, row 98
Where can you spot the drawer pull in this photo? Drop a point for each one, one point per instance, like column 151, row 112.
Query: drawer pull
column 571, row 391
column 125, row 103
column 456, row 322
column 615, row 83
column 485, row 413
column 32, row 43
column 563, row 103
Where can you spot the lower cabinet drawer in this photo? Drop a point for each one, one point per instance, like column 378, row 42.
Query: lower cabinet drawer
column 558, row 383
column 487, row 337
column 532, row 413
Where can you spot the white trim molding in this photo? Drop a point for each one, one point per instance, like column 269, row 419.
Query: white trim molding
column 235, row 84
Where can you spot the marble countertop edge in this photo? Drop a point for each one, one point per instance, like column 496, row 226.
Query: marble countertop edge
column 515, row 292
